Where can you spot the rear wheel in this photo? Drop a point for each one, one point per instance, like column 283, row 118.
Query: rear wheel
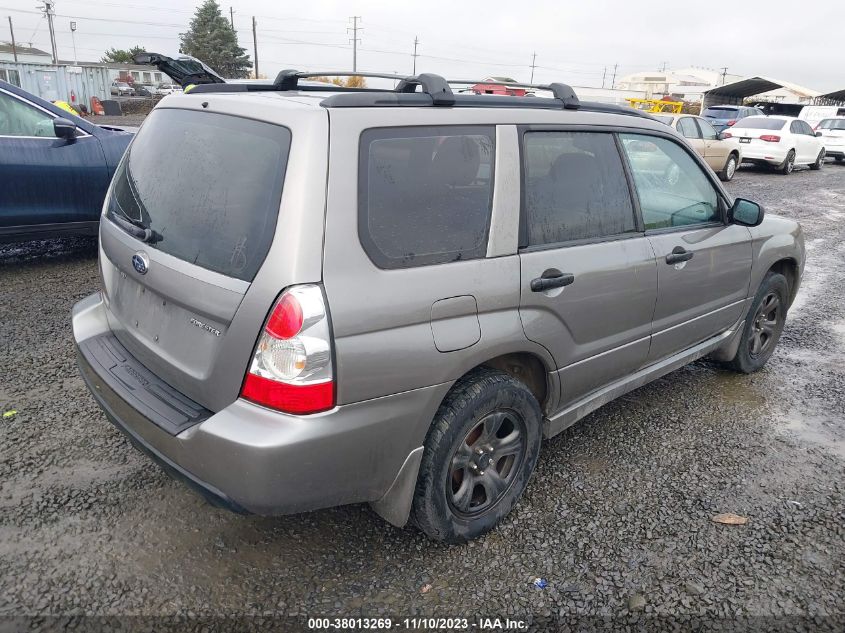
column 839, row 159
column 819, row 162
column 764, row 324
column 729, row 169
column 788, row 164
column 479, row 455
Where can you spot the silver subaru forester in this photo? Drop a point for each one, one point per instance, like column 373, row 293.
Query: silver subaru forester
column 314, row 296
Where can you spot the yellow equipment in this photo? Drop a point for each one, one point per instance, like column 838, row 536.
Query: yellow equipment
column 64, row 105
column 657, row 105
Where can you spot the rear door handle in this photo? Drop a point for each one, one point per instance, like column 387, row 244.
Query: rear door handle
column 551, row 278
column 679, row 254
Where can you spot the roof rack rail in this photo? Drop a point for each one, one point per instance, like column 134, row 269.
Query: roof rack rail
column 433, row 90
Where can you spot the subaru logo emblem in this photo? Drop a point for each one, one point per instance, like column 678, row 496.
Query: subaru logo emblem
column 141, row 263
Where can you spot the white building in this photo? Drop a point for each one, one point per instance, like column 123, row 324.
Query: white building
column 25, row 54
column 688, row 84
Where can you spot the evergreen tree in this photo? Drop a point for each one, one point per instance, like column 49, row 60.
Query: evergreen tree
column 211, row 40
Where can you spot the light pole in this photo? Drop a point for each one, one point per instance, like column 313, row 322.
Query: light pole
column 73, row 37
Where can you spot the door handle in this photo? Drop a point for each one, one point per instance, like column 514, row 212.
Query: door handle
column 679, row 254
column 551, row 278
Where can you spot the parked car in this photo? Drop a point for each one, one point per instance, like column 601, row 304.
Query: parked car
column 779, row 142
column 144, row 90
column 168, row 89
column 122, row 89
column 833, row 135
column 56, row 167
column 722, row 117
column 399, row 316
column 724, row 155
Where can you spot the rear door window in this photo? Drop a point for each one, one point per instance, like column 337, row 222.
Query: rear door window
column 207, row 186
column 687, row 128
column 575, row 188
column 425, row 194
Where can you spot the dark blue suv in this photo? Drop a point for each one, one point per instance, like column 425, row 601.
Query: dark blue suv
column 55, row 168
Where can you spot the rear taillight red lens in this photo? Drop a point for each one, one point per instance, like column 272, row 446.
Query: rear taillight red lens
column 727, row 135
column 291, row 368
column 731, row 122
column 770, row 138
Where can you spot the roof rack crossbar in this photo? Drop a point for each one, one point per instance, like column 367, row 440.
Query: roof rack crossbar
column 560, row 91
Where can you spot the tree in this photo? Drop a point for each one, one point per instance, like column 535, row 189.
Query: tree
column 121, row 56
column 211, row 39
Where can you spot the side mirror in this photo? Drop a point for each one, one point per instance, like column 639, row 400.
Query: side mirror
column 818, row 133
column 746, row 213
column 64, row 128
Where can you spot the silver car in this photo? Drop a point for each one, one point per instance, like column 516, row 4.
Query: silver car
column 315, row 296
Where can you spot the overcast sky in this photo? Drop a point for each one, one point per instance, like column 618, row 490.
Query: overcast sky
column 575, row 41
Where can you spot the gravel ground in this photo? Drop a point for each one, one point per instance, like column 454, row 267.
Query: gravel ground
column 617, row 518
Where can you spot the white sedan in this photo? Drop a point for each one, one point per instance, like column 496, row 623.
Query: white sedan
column 833, row 135
column 779, row 141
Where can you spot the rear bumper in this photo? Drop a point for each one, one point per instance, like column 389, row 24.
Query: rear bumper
column 251, row 459
column 772, row 155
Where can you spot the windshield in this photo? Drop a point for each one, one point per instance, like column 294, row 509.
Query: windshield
column 203, row 187
column 721, row 112
column 761, row 123
column 663, row 119
column 832, row 124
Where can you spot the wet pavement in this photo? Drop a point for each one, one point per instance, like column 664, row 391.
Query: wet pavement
column 617, row 518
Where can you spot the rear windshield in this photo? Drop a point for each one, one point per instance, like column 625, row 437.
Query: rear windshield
column 207, row 186
column 721, row 112
column 832, row 124
column 761, row 123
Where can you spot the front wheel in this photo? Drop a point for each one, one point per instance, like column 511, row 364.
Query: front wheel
column 788, row 164
column 729, row 169
column 763, row 325
column 479, row 455
column 819, row 162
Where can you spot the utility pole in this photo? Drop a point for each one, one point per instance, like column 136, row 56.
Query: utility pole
column 613, row 83
column 603, row 76
column 14, row 46
column 416, row 43
column 724, row 74
column 232, row 17
column 355, row 39
column 48, row 10
column 533, row 66
column 255, row 46
column 663, row 67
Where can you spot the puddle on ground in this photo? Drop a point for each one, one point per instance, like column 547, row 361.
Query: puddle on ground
column 819, row 430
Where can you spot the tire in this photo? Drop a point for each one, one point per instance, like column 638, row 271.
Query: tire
column 759, row 327
column 788, row 164
column 729, row 170
column 839, row 159
column 819, row 161
column 462, row 493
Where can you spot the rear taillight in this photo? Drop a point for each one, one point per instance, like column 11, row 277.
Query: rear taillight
column 770, row 138
column 291, row 368
column 731, row 122
column 727, row 135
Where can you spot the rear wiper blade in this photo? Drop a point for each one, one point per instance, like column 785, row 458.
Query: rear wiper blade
column 145, row 235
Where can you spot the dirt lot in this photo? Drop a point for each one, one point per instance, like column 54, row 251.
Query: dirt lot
column 617, row 518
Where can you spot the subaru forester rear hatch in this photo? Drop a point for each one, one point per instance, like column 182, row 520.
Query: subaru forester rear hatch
column 190, row 218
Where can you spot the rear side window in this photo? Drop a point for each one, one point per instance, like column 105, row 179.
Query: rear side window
column 575, row 188
column 686, row 126
column 425, row 194
column 208, row 186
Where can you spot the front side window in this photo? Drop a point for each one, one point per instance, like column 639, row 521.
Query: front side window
column 673, row 189
column 575, row 188
column 425, row 194
column 21, row 119
column 708, row 133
